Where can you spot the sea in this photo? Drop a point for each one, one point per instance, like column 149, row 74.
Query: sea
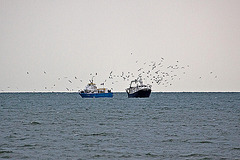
column 64, row 126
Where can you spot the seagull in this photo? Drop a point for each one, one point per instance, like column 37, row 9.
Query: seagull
column 27, row 72
column 44, row 72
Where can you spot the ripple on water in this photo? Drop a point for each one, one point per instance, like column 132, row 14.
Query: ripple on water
column 97, row 134
column 35, row 123
column 203, row 142
column 5, row 154
column 194, row 155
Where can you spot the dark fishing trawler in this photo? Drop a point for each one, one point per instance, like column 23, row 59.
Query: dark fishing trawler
column 138, row 90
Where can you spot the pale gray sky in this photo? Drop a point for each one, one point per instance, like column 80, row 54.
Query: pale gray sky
column 74, row 38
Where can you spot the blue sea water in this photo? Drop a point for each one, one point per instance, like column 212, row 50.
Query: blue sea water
column 164, row 126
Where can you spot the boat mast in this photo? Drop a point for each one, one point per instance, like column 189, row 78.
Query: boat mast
column 91, row 81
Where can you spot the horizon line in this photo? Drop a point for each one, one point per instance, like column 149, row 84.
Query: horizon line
column 121, row 92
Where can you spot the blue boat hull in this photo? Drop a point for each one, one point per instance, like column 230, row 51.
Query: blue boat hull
column 96, row 95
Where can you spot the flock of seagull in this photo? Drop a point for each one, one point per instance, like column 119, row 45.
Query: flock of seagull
column 150, row 72
column 153, row 72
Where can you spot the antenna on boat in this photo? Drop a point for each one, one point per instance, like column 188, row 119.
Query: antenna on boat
column 91, row 81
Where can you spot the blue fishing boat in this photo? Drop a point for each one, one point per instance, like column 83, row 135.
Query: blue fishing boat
column 91, row 91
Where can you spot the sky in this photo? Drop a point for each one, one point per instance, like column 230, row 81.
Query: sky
column 59, row 45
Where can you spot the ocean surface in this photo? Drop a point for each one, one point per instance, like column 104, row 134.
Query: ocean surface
column 164, row 126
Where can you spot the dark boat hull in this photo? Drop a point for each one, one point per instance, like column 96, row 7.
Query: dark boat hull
column 140, row 94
